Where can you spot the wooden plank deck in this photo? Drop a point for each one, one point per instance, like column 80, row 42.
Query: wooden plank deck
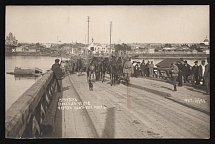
column 146, row 109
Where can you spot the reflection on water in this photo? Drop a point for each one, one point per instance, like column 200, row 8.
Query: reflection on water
column 24, row 77
column 15, row 86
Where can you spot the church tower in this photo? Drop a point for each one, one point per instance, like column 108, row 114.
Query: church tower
column 206, row 41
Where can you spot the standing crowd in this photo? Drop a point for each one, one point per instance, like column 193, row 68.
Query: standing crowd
column 183, row 72
column 143, row 69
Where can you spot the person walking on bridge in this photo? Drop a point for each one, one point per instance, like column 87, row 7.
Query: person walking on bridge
column 58, row 74
column 128, row 70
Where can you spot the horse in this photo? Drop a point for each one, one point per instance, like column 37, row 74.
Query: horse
column 103, row 68
column 90, row 69
column 119, row 66
column 113, row 70
column 79, row 66
column 97, row 69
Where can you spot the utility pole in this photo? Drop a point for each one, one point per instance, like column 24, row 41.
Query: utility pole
column 88, row 20
column 57, row 43
column 110, row 33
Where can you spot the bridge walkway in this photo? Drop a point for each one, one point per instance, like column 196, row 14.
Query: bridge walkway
column 145, row 109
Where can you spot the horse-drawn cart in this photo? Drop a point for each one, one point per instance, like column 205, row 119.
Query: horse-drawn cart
column 164, row 68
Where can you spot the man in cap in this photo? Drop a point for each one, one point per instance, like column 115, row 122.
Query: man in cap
column 58, row 74
column 207, row 76
column 201, row 72
column 195, row 71
column 187, row 71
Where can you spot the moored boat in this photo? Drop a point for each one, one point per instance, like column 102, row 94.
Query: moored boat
column 27, row 71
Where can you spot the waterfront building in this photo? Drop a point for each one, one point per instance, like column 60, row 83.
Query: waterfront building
column 98, row 48
column 151, row 50
column 47, row 45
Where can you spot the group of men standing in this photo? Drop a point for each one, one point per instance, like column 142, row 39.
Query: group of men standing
column 143, row 69
column 181, row 70
column 196, row 72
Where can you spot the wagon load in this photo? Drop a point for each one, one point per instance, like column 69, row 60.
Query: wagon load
column 166, row 63
column 164, row 67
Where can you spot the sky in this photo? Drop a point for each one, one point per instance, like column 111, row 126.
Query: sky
column 141, row 24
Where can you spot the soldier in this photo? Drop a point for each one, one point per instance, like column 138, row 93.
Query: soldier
column 175, row 71
column 128, row 69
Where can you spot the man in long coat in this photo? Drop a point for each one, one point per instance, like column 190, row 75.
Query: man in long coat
column 195, row 73
column 58, row 74
column 202, row 71
column 142, row 67
column 187, row 71
column 207, row 76
column 181, row 71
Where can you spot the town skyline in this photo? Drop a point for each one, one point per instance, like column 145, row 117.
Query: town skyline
column 131, row 24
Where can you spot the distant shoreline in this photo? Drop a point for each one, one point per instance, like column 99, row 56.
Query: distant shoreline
column 161, row 56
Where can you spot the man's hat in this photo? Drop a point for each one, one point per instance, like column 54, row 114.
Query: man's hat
column 196, row 62
column 203, row 60
column 57, row 60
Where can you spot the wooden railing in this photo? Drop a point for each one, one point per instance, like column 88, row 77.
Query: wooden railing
column 25, row 117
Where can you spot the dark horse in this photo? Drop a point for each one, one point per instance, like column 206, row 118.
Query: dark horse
column 78, row 66
column 97, row 69
column 112, row 70
column 119, row 67
column 103, row 68
column 90, row 69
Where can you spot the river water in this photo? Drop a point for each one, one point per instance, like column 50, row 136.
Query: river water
column 16, row 86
